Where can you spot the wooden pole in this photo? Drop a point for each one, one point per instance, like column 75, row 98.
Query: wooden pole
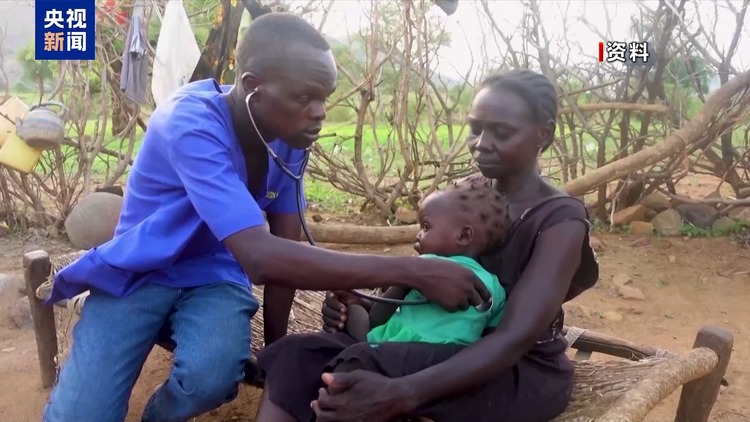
column 351, row 234
column 698, row 397
column 37, row 266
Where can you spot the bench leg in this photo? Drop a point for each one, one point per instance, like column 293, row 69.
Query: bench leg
column 698, row 397
column 37, row 267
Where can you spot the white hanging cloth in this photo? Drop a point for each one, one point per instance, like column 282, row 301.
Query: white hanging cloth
column 177, row 52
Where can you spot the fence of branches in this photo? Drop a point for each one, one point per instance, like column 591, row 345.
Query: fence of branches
column 396, row 125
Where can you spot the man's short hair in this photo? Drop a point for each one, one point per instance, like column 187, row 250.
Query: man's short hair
column 266, row 41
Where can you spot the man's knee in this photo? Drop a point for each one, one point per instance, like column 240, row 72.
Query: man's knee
column 218, row 390
column 212, row 379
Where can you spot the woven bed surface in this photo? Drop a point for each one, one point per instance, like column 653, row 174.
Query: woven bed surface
column 605, row 391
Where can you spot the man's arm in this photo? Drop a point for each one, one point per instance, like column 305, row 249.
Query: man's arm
column 277, row 300
column 204, row 165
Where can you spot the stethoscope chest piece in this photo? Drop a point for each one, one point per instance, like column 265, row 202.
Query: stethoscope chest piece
column 484, row 306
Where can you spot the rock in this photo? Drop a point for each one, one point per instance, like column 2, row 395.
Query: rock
column 656, row 201
column 743, row 192
column 641, row 227
column 93, row 220
column 612, row 316
column 699, row 215
column 406, row 215
column 577, row 310
column 596, row 244
column 722, row 225
column 641, row 242
column 672, row 259
column 317, row 218
column 631, row 293
column 20, row 313
column 740, row 214
column 621, row 279
column 6, row 282
column 668, row 223
column 713, row 195
column 650, row 214
column 628, row 215
column 4, row 230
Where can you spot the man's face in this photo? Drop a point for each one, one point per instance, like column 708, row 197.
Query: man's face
column 290, row 104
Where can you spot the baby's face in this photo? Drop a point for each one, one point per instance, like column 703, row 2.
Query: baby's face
column 442, row 228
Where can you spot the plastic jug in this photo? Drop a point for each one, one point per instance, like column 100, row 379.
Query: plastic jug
column 17, row 155
column 10, row 111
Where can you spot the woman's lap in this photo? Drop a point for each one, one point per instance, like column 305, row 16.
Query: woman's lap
column 528, row 392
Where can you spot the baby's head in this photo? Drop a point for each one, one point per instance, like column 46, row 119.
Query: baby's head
column 466, row 218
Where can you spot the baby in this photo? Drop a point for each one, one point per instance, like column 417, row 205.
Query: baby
column 457, row 224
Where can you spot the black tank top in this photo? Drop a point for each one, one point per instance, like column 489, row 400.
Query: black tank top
column 509, row 261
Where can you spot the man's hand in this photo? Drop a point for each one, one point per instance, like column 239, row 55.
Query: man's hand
column 449, row 285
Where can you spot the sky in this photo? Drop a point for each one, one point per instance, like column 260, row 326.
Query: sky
column 466, row 25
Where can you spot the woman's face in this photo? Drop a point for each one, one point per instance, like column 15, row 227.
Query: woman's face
column 505, row 139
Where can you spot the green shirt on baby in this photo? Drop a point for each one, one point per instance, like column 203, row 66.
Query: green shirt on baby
column 429, row 323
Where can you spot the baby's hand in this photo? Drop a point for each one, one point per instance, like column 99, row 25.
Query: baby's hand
column 335, row 309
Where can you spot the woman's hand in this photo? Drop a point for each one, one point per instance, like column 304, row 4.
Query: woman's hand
column 362, row 396
column 335, row 309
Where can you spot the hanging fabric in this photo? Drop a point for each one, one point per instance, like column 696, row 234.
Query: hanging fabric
column 134, row 74
column 177, row 52
column 217, row 59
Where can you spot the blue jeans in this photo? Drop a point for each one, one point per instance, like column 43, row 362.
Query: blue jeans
column 211, row 326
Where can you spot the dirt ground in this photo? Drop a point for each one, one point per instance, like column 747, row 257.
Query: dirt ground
column 687, row 283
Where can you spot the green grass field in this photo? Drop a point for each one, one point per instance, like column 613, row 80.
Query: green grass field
column 338, row 138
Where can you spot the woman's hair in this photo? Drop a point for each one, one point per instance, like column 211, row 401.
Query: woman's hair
column 481, row 202
column 534, row 88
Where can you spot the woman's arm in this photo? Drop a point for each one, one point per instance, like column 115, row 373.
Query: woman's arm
column 380, row 313
column 535, row 301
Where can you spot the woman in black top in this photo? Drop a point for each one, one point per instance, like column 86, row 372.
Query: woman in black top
column 519, row 372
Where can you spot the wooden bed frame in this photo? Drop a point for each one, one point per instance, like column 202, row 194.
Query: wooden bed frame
column 605, row 391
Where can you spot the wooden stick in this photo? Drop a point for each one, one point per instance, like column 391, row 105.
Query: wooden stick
column 591, row 342
column 698, row 397
column 351, row 234
column 613, row 346
column 36, row 266
column 644, row 108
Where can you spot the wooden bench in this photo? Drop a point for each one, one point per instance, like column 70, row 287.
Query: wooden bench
column 622, row 390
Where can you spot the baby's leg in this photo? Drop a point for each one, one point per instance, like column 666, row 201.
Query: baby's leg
column 357, row 322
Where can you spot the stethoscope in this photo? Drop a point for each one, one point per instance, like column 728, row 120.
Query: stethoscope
column 301, row 212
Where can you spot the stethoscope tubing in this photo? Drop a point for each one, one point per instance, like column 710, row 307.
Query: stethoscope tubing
column 303, row 222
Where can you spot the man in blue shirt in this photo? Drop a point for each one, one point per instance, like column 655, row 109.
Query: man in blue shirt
column 192, row 230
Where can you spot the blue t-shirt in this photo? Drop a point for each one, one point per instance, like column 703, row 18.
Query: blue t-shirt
column 186, row 193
